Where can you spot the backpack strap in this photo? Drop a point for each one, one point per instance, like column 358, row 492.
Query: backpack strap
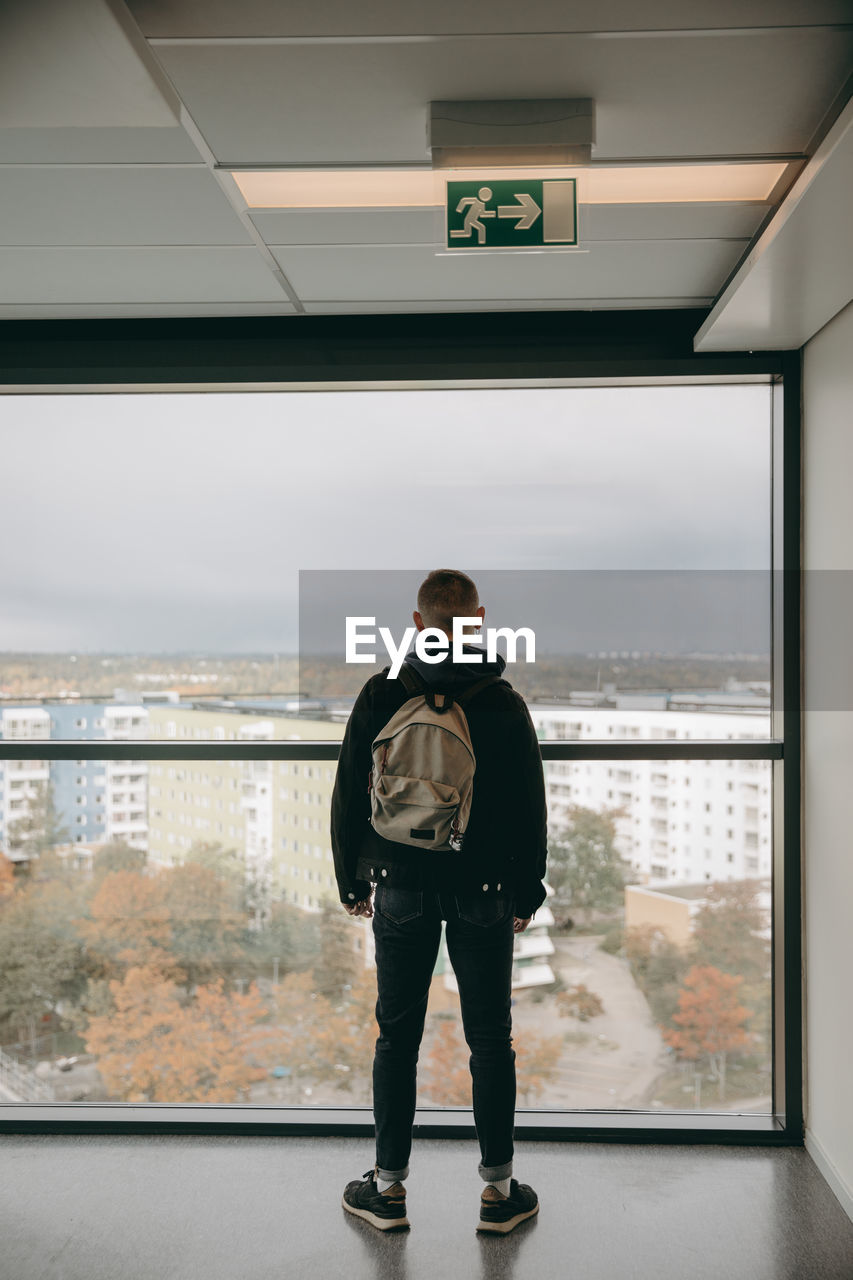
column 472, row 690
column 414, row 683
column 410, row 679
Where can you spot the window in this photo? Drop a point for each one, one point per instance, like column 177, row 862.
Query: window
column 548, row 434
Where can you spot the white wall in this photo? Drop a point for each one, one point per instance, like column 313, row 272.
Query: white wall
column 828, row 764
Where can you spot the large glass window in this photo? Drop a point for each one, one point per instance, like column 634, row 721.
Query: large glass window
column 182, row 565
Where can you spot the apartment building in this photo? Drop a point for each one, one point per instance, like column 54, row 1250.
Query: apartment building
column 681, row 821
column 95, row 800
column 274, row 812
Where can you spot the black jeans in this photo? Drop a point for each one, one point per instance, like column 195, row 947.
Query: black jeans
column 407, row 931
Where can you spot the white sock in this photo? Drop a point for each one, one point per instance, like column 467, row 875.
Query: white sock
column 501, row 1184
column 382, row 1185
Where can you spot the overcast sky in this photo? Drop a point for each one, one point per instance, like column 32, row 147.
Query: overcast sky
column 150, row 523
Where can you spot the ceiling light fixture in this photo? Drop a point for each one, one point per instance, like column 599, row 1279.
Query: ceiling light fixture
column 676, row 183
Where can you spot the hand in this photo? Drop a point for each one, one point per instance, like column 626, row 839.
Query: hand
column 362, row 908
column 519, row 925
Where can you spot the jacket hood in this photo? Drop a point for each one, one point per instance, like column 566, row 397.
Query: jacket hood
column 448, row 675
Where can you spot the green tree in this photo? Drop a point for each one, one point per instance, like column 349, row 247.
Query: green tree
column 36, row 833
column 117, row 856
column 227, row 864
column 205, row 928
column 729, row 930
column 659, row 968
column 336, row 966
column 42, row 958
column 290, row 937
column 584, row 868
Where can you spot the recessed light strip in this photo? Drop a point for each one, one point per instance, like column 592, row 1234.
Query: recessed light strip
column 421, row 188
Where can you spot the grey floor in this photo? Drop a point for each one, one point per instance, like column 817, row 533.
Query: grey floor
column 177, row 1208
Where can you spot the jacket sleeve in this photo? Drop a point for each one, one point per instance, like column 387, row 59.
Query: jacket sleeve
column 350, row 800
column 531, row 856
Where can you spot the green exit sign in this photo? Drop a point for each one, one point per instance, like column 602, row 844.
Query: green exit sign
column 519, row 213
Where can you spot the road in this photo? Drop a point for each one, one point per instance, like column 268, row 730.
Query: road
column 622, row 1053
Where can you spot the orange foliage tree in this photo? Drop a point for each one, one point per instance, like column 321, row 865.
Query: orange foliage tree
column 182, row 920
column 7, row 877
column 322, row 1039
column 710, row 1020
column 129, row 924
column 536, row 1059
column 160, row 1046
column 446, row 1075
column 579, row 1003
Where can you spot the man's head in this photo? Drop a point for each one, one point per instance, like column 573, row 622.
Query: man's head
column 444, row 595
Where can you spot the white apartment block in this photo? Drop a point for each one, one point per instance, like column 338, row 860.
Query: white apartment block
column 19, row 779
column 126, row 781
column 680, row 821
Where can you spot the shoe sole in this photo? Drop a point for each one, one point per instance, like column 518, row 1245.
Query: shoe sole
column 384, row 1224
column 501, row 1228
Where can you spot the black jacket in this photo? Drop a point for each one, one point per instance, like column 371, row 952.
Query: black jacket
column 506, row 838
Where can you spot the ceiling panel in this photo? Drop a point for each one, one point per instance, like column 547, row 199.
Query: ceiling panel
column 427, row 226
column 683, row 268
column 217, row 18
column 116, row 205
column 132, row 275
column 96, row 146
column 353, row 102
column 349, row 226
column 72, row 65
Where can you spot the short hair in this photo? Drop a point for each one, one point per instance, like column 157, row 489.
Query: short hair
column 446, row 594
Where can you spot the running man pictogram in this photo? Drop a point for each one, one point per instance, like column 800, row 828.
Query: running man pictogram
column 475, row 211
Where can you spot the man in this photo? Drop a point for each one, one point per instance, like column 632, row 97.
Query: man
column 486, row 893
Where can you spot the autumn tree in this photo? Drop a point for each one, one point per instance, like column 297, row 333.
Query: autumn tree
column 584, row 868
column 446, row 1074
column 7, row 877
column 710, row 1020
column 730, row 932
column 578, row 1003
column 159, row 1045
column 536, row 1059
column 129, row 922
column 322, row 1038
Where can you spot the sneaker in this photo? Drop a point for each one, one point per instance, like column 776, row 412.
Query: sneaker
column 499, row 1214
column 385, row 1210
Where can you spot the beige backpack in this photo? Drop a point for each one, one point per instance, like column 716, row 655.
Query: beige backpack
column 422, row 780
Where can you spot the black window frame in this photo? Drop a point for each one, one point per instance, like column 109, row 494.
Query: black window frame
column 462, row 349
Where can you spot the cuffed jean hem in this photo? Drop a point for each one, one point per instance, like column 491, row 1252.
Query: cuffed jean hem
column 496, row 1173
column 392, row 1175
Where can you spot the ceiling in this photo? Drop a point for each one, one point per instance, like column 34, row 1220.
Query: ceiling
column 120, row 124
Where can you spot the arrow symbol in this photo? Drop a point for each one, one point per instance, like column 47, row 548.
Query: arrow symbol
column 527, row 211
